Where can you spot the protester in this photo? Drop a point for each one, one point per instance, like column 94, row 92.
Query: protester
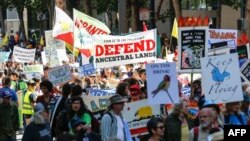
column 46, row 87
column 6, row 82
column 112, row 123
column 29, row 102
column 156, row 129
column 38, row 129
column 9, row 121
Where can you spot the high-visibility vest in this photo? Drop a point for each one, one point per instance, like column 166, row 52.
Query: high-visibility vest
column 27, row 107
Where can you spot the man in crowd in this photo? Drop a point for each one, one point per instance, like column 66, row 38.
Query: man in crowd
column 9, row 122
column 6, row 82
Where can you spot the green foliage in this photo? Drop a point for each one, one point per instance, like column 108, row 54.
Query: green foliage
column 235, row 4
column 19, row 3
column 104, row 6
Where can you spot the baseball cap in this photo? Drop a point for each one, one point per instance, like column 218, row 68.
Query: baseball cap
column 39, row 108
column 5, row 94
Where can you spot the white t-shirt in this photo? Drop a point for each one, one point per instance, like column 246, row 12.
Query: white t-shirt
column 120, row 133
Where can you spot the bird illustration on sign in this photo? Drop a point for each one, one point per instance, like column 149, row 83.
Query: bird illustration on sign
column 163, row 85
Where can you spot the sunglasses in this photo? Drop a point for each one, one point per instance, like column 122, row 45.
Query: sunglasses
column 161, row 127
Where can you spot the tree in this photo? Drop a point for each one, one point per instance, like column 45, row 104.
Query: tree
column 2, row 7
column 20, row 5
column 177, row 8
column 248, row 17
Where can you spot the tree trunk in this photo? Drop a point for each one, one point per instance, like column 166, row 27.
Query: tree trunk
column 109, row 15
column 86, row 7
column 134, row 15
column 218, row 17
column 94, row 8
column 177, row 8
column 248, row 18
column 1, row 20
column 22, row 28
column 158, row 10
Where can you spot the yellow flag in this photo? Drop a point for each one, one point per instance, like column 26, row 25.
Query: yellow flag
column 175, row 29
column 42, row 41
column 73, row 50
column 6, row 39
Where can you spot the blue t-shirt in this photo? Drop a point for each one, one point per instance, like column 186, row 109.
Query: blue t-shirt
column 12, row 92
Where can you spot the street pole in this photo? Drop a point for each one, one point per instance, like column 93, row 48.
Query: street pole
column 123, row 24
column 152, row 14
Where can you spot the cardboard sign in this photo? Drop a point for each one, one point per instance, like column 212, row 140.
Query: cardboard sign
column 137, row 114
column 96, row 103
column 60, row 75
column 162, row 84
column 33, row 68
column 23, row 55
column 245, row 71
column 121, row 50
column 243, row 53
column 4, row 56
column 192, row 42
column 221, row 83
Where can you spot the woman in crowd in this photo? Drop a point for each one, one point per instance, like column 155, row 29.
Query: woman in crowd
column 156, row 129
column 46, row 87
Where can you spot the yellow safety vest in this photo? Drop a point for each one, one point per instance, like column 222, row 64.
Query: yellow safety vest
column 27, row 107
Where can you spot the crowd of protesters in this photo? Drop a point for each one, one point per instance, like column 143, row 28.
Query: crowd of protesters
column 59, row 112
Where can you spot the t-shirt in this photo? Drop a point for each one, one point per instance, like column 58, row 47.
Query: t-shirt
column 120, row 129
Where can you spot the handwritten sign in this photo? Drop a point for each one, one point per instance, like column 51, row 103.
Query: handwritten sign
column 33, row 68
column 245, row 71
column 162, row 84
column 221, row 83
column 192, row 42
column 101, row 92
column 60, row 75
column 4, row 56
column 31, row 75
column 23, row 55
column 137, row 114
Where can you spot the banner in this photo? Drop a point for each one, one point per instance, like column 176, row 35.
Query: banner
column 220, row 35
column 121, row 50
column 137, row 114
column 222, row 83
column 245, row 71
column 4, row 56
column 59, row 75
column 96, row 103
column 33, row 68
column 23, row 55
column 243, row 53
column 192, row 42
column 162, row 84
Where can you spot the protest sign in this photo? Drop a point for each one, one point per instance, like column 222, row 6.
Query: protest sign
column 101, row 92
column 60, row 75
column 162, row 84
column 243, row 53
column 137, row 114
column 33, row 68
column 4, row 56
column 192, row 42
column 221, row 83
column 245, row 71
column 219, row 48
column 86, row 69
column 220, row 35
column 96, row 103
column 120, row 50
column 43, row 57
column 51, row 57
column 31, row 75
column 53, row 42
column 23, row 55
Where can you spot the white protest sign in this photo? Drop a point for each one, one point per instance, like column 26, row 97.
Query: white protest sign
column 43, row 57
column 23, row 55
column 137, row 114
column 31, row 75
column 192, row 42
column 162, row 84
column 60, row 75
column 221, row 82
column 120, row 50
column 53, row 42
column 220, row 35
column 245, row 71
column 33, row 68
column 4, row 56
